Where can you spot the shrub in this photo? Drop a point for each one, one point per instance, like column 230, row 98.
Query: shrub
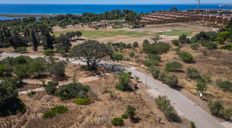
column 9, row 102
column 21, row 49
column 217, row 109
column 201, row 85
column 186, row 57
column 117, row 56
column 173, row 66
column 195, row 46
column 5, row 70
column 55, row 111
column 154, row 71
column 132, row 54
column 168, row 110
column 192, row 125
column 161, row 48
column 72, row 90
column 117, row 122
column 51, row 87
column 210, row 45
column 135, row 44
column 48, row 52
column 227, row 47
column 21, row 71
column 130, row 113
column 225, row 85
column 171, row 80
column 37, row 67
column 176, row 42
column 124, row 79
column 193, row 73
column 150, row 62
column 57, row 69
column 183, row 39
column 83, row 101
column 157, row 48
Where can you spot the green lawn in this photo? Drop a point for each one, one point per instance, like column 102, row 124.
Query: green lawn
column 176, row 32
column 107, row 33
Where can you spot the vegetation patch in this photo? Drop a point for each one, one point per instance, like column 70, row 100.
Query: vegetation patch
column 55, row 111
column 176, row 32
column 173, row 66
column 168, row 110
column 117, row 122
column 83, row 101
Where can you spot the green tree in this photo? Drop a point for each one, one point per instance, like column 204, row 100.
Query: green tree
column 91, row 52
column 9, row 102
column 34, row 41
column 124, row 79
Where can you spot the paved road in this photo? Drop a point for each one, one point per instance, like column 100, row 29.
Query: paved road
column 184, row 106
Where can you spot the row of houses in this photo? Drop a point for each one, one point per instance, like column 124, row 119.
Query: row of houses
column 170, row 17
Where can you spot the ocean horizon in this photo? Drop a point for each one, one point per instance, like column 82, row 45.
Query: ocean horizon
column 80, row 9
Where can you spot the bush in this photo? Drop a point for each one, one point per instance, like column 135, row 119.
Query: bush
column 217, row 109
column 51, row 87
column 124, row 79
column 225, row 85
column 186, row 57
column 210, row 45
column 57, row 69
column 169, row 79
column 21, row 71
column 21, row 49
column 132, row 54
column 192, row 125
column 195, row 46
column 5, row 70
column 9, row 102
column 48, row 52
column 173, row 66
column 117, row 56
column 157, row 48
column 227, row 47
column 37, row 67
column 168, row 110
column 72, row 90
column 83, row 101
column 193, row 73
column 201, row 85
column 154, row 71
column 135, row 44
column 176, row 42
column 117, row 122
column 55, row 111
column 183, row 39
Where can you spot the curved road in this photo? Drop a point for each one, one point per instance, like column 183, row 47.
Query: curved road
column 184, row 106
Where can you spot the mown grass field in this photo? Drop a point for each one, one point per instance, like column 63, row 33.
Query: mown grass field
column 106, row 33
column 176, row 32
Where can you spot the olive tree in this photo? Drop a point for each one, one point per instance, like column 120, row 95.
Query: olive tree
column 91, row 52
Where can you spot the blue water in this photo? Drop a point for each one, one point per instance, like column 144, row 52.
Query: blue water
column 79, row 9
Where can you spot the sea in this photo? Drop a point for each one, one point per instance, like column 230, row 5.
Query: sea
column 7, row 10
